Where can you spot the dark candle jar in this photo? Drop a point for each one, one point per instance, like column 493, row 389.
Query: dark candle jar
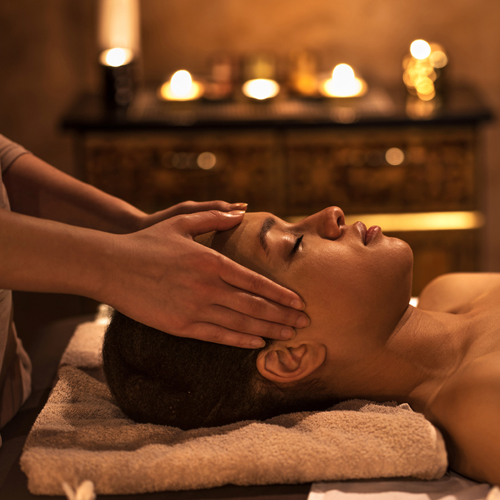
column 118, row 66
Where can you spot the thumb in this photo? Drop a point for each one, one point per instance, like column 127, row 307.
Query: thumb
column 212, row 220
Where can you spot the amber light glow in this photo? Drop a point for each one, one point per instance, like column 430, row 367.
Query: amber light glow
column 116, row 57
column 261, row 88
column 423, row 221
column 422, row 67
column 181, row 87
column 420, row 49
column 343, row 83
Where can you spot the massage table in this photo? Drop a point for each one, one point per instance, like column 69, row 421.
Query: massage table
column 46, row 352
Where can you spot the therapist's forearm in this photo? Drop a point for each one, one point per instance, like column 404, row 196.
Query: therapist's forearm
column 37, row 189
column 46, row 256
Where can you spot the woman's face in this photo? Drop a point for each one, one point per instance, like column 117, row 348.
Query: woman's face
column 350, row 278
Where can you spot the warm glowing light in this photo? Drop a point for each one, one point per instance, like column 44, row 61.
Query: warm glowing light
column 422, row 68
column 420, row 49
column 424, row 86
column 206, row 160
column 423, row 221
column 438, row 59
column 261, row 88
column 181, row 87
column 343, row 83
column 116, row 57
column 427, row 97
column 343, row 72
column 394, row 156
column 181, row 84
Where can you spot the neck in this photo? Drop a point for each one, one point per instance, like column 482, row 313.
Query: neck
column 414, row 361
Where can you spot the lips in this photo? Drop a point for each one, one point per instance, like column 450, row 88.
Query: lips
column 371, row 234
column 367, row 235
column 362, row 231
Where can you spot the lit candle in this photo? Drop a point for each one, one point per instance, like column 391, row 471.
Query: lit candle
column 261, row 88
column 118, row 37
column 116, row 57
column 343, row 83
column 181, row 87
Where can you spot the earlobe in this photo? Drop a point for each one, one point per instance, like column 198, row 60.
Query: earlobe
column 282, row 363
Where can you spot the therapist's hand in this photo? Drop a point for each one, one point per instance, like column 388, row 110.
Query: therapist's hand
column 188, row 207
column 186, row 289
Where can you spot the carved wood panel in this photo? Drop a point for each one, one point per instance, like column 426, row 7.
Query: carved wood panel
column 154, row 171
column 350, row 169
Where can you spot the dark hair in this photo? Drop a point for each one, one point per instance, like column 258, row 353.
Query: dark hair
column 162, row 379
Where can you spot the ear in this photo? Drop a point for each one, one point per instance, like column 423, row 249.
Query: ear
column 287, row 363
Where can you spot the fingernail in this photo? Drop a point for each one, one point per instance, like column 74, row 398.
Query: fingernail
column 298, row 304
column 287, row 333
column 237, row 213
column 257, row 343
column 303, row 321
column 240, row 206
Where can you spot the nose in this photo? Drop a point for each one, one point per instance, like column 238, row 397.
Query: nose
column 328, row 222
column 333, row 219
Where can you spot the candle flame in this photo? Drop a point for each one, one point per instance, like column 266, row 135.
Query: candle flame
column 343, row 83
column 181, row 87
column 181, row 84
column 116, row 57
column 261, row 88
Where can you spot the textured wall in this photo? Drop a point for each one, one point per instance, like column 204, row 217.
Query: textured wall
column 48, row 53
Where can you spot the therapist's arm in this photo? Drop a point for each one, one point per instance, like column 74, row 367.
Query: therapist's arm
column 159, row 276
column 36, row 188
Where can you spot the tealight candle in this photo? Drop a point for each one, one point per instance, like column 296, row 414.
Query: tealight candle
column 261, row 88
column 181, row 87
column 343, row 83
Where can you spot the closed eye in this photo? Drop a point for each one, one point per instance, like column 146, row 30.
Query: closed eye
column 297, row 245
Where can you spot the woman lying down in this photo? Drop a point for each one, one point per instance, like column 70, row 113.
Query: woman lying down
column 364, row 341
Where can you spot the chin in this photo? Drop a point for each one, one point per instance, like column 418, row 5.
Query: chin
column 398, row 270
column 404, row 261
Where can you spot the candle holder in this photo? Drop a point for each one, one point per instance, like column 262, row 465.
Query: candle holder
column 259, row 74
column 303, row 74
column 119, row 77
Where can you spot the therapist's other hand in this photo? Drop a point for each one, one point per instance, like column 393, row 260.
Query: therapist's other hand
column 188, row 207
column 184, row 288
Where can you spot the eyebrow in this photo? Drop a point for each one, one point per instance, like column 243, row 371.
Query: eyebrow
column 266, row 226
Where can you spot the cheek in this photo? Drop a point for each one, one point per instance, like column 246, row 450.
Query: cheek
column 345, row 285
column 328, row 283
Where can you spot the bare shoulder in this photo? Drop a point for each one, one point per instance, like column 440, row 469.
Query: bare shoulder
column 452, row 292
column 467, row 410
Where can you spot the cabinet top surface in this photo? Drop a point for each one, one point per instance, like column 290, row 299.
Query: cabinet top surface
column 380, row 107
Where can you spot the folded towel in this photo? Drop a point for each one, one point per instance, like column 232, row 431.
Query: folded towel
column 81, row 434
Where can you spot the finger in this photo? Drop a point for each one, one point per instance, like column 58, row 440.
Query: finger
column 220, row 335
column 245, row 279
column 233, row 320
column 213, row 220
column 190, row 207
column 259, row 308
